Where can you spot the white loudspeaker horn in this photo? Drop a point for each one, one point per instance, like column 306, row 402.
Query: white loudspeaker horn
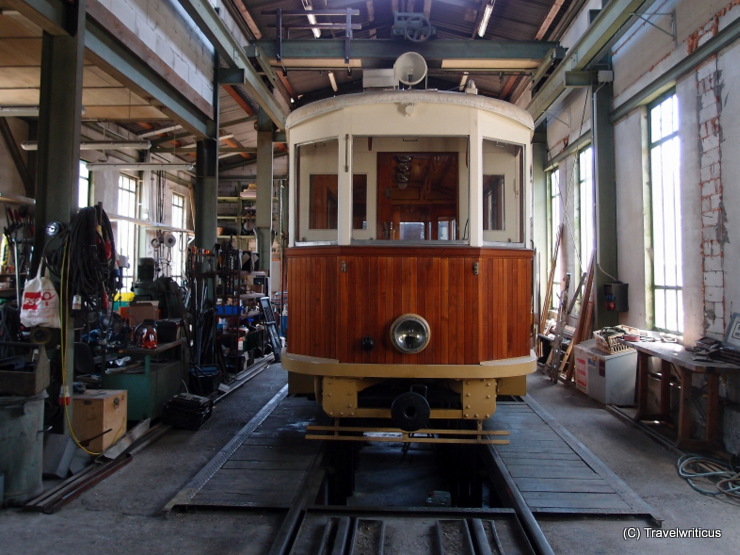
column 169, row 240
column 410, row 68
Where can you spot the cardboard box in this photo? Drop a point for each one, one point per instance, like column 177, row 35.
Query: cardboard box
column 99, row 417
column 30, row 373
column 139, row 312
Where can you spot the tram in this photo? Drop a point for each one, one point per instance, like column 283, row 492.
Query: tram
column 408, row 266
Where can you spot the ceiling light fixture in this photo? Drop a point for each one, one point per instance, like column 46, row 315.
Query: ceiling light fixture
column 333, row 81
column 180, row 148
column 160, row 131
column 463, row 80
column 315, row 30
column 311, row 18
column 23, row 111
column 19, row 111
column 142, row 166
column 98, row 145
column 486, row 17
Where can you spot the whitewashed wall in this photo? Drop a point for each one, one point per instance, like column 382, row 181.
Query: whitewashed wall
column 165, row 28
column 640, row 57
column 728, row 65
column 709, row 128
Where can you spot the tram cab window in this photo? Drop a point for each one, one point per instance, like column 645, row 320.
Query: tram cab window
column 419, row 195
column 502, row 197
column 403, row 189
column 415, row 187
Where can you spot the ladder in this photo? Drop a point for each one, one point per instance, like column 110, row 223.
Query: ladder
column 552, row 369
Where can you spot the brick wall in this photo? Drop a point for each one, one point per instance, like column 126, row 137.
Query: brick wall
column 713, row 215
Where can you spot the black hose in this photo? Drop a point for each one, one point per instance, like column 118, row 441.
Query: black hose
column 92, row 259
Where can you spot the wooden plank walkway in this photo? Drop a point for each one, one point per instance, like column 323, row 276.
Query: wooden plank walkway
column 554, row 471
column 263, row 465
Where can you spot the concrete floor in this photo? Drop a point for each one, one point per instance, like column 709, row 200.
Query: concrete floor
column 123, row 513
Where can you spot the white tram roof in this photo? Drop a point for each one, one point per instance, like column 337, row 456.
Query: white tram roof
column 413, row 96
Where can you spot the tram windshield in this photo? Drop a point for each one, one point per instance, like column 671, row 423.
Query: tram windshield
column 406, row 189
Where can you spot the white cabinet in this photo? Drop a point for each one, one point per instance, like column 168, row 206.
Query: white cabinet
column 607, row 378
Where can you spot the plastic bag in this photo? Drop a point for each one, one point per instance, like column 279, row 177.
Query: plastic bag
column 40, row 303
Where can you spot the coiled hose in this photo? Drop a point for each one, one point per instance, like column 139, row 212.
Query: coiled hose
column 724, row 477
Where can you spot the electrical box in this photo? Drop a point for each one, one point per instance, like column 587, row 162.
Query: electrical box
column 379, row 79
column 616, row 296
column 99, row 417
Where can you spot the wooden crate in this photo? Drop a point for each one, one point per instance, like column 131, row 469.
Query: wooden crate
column 99, row 417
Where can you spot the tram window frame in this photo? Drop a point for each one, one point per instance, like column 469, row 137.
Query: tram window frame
column 497, row 155
column 315, row 161
column 365, row 152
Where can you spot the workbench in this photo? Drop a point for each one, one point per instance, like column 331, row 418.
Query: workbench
column 157, row 378
column 674, row 357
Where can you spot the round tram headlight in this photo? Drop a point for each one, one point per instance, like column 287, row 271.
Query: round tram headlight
column 410, row 333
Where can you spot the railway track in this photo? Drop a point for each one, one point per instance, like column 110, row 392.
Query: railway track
column 317, row 524
column 392, row 497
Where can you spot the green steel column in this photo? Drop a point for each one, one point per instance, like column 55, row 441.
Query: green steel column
column 540, row 223
column 60, row 109
column 263, row 226
column 206, row 203
column 606, row 270
column 206, row 192
column 58, row 160
column 206, row 179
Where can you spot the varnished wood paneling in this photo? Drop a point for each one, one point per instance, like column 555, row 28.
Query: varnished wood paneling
column 472, row 317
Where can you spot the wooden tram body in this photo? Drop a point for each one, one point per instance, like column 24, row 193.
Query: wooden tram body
column 408, row 267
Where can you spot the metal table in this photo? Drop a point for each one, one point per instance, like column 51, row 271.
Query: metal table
column 150, row 387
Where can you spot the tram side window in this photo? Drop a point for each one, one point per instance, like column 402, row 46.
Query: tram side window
column 501, row 192
column 317, row 191
column 493, row 202
column 322, row 203
column 359, row 202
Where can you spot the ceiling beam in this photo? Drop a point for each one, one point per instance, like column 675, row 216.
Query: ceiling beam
column 659, row 84
column 15, row 155
column 51, row 15
column 232, row 53
column 375, row 52
column 608, row 26
column 129, row 69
